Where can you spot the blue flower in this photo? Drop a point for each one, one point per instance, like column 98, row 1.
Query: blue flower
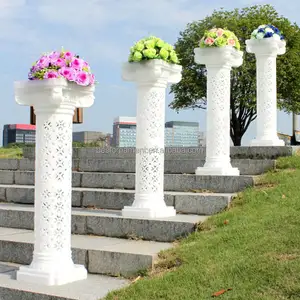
column 282, row 37
column 268, row 34
column 261, row 30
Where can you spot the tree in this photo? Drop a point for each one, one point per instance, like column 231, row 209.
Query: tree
column 190, row 92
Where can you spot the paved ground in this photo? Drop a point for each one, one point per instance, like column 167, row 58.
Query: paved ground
column 94, row 288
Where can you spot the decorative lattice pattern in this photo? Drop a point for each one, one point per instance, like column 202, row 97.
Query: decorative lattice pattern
column 53, row 178
column 218, row 115
column 266, row 100
column 150, row 140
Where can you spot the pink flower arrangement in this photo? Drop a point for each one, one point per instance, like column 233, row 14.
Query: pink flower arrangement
column 209, row 41
column 63, row 64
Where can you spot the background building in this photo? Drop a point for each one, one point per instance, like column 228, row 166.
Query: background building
column 201, row 139
column 87, row 137
column 18, row 133
column 181, row 134
column 124, row 132
column 177, row 133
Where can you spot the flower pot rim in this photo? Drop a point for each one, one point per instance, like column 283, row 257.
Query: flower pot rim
column 221, row 49
column 266, row 40
column 154, row 61
column 50, row 83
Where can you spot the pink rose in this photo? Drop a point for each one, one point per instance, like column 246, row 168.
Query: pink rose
column 83, row 78
column 59, row 62
column 220, row 32
column 92, row 79
column 77, row 63
column 54, row 55
column 68, row 73
column 68, row 55
column 209, row 41
column 43, row 62
column 51, row 74
column 231, row 42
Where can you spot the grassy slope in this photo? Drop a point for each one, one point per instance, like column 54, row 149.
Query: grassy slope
column 257, row 253
column 10, row 153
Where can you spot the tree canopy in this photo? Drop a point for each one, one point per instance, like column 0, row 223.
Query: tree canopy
column 190, row 92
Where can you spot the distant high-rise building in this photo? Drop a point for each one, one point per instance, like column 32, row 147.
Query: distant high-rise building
column 89, row 137
column 181, row 134
column 177, row 133
column 124, row 132
column 18, row 133
column 202, row 138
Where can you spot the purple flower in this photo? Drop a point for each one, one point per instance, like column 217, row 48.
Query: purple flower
column 82, row 78
column 59, row 62
column 68, row 73
column 54, row 55
column 34, row 68
column 77, row 63
column 30, row 76
column 43, row 62
column 51, row 74
column 68, row 56
column 92, row 79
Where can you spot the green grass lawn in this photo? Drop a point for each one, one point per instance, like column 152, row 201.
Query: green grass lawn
column 253, row 248
column 11, row 153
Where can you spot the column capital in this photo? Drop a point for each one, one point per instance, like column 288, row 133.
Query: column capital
column 218, row 57
column 153, row 72
column 53, row 93
column 266, row 47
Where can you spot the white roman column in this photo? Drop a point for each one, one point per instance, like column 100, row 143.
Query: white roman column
column 266, row 51
column 151, row 78
column 54, row 102
column 219, row 62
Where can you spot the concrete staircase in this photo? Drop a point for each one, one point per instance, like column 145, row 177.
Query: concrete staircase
column 111, row 247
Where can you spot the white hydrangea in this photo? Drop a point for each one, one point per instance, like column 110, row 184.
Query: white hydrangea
column 254, row 32
column 260, row 35
column 261, row 26
column 276, row 37
column 269, row 30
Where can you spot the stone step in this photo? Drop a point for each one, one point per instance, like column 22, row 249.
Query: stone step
column 95, row 287
column 172, row 182
column 107, row 223
column 188, row 203
column 100, row 255
column 177, row 152
column 120, row 165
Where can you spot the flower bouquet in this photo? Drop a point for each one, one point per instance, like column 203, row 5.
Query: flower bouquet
column 267, row 31
column 63, row 64
column 218, row 37
column 153, row 48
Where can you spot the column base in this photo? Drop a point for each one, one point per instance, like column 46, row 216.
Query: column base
column 217, row 171
column 266, row 143
column 51, row 277
column 141, row 212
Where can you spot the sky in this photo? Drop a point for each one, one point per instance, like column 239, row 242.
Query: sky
column 102, row 32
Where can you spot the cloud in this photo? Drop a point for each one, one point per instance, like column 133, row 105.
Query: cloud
column 103, row 29
column 83, row 14
column 9, row 8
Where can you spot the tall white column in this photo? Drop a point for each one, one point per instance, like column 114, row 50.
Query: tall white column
column 266, row 51
column 219, row 62
column 151, row 78
column 54, row 102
